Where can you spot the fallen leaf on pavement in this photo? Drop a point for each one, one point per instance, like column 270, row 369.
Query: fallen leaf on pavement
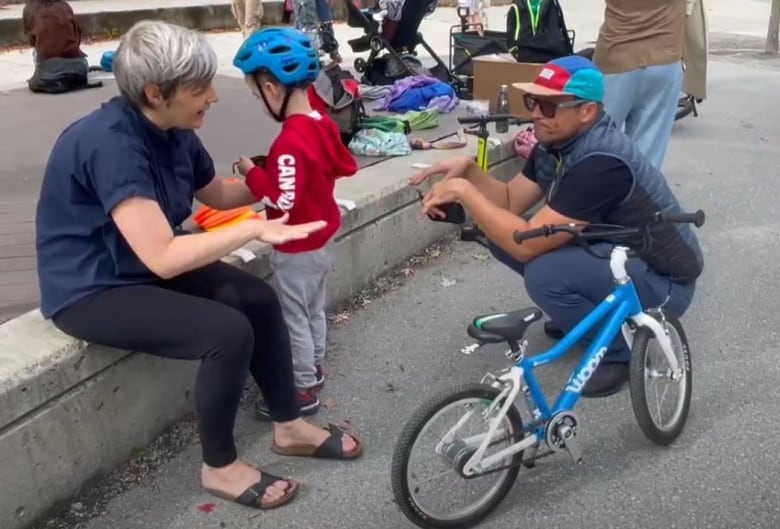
column 447, row 282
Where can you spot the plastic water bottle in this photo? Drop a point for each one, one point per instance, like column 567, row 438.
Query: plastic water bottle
column 502, row 107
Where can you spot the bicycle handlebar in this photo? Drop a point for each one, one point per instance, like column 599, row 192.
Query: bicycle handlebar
column 614, row 232
column 491, row 118
column 697, row 219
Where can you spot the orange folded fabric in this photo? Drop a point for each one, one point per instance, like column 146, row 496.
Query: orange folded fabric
column 210, row 219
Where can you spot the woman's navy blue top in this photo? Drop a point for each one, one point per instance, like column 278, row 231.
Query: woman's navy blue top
column 110, row 155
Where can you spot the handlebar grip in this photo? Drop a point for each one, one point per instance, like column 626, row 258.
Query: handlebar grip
column 697, row 218
column 520, row 236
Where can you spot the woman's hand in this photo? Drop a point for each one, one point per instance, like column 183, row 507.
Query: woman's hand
column 277, row 231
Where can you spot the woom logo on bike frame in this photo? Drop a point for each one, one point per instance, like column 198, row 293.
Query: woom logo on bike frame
column 578, row 380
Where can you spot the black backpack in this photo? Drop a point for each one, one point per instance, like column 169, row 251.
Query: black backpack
column 542, row 41
column 58, row 76
column 344, row 105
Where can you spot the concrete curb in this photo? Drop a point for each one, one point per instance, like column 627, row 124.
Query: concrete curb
column 70, row 410
column 206, row 17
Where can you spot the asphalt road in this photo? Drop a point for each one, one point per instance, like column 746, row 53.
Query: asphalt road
column 402, row 347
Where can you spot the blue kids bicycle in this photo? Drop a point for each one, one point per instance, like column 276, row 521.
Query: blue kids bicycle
column 476, row 434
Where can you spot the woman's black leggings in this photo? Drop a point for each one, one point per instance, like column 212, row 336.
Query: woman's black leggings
column 227, row 318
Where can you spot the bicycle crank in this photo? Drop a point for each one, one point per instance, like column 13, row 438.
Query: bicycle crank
column 561, row 435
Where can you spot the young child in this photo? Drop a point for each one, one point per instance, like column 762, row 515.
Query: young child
column 298, row 177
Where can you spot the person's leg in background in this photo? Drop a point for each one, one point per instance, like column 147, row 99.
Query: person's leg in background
column 287, row 15
column 248, row 15
column 621, row 94
column 238, row 8
column 306, row 20
column 254, row 16
column 330, row 44
column 650, row 125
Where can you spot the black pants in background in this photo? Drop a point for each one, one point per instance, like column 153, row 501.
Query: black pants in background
column 228, row 319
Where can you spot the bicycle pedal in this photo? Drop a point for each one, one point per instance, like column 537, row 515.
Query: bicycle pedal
column 570, row 443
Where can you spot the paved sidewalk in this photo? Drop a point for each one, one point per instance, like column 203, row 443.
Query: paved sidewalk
column 403, row 347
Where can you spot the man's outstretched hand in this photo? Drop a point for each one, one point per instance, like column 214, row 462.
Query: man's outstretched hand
column 456, row 167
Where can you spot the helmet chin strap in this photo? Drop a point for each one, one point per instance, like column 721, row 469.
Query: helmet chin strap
column 282, row 111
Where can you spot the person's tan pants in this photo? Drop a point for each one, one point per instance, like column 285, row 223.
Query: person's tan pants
column 248, row 15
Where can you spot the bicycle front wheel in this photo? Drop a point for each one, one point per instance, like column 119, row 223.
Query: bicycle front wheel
column 426, row 473
column 649, row 369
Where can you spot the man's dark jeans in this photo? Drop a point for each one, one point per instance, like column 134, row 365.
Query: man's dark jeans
column 568, row 283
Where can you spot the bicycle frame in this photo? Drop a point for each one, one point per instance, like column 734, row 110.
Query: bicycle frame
column 610, row 317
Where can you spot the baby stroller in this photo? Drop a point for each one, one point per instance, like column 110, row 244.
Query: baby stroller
column 399, row 39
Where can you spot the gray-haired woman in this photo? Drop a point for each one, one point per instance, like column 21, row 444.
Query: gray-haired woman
column 115, row 267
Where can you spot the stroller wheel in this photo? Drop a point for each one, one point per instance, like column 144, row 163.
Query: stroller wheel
column 360, row 65
column 375, row 43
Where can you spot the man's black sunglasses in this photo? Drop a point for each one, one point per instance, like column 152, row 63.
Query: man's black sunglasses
column 547, row 107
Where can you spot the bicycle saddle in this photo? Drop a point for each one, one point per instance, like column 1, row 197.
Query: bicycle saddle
column 503, row 326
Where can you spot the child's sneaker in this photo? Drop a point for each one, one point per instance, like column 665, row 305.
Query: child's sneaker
column 307, row 400
column 320, row 378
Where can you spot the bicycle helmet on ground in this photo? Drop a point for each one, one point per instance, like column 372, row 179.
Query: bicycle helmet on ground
column 285, row 53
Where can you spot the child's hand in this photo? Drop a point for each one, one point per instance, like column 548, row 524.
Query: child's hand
column 244, row 165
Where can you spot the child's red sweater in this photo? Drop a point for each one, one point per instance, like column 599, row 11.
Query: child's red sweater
column 300, row 175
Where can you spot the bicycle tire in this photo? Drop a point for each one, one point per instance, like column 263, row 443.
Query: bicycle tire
column 637, row 379
column 402, row 451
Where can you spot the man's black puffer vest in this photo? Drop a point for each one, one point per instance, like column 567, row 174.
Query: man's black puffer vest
column 675, row 251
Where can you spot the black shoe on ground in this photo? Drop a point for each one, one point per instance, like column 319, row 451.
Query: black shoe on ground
column 607, row 380
column 552, row 330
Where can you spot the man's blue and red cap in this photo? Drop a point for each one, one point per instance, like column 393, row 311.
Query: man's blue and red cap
column 573, row 75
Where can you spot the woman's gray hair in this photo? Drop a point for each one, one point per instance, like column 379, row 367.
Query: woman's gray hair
column 158, row 53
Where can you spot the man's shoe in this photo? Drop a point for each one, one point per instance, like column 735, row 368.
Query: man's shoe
column 552, row 330
column 607, row 380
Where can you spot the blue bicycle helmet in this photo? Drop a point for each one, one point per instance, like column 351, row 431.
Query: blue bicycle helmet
column 107, row 61
column 284, row 52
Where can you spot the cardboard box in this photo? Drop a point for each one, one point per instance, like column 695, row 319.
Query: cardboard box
column 492, row 71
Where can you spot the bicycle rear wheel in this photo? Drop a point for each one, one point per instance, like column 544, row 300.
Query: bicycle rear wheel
column 646, row 369
column 410, row 487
